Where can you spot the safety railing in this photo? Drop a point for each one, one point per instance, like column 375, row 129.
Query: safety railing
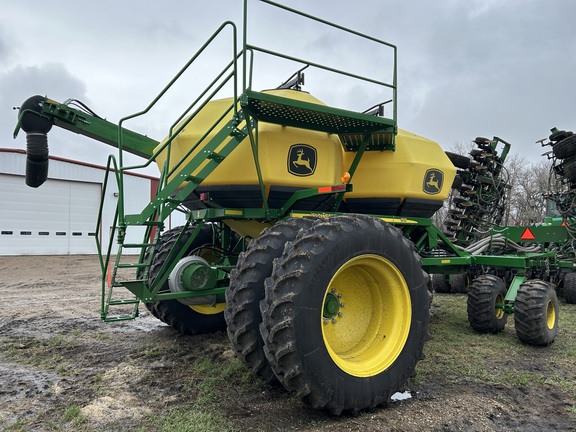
column 229, row 72
column 248, row 65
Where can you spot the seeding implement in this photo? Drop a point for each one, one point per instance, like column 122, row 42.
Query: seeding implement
column 308, row 231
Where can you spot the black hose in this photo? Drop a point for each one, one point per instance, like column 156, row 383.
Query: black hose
column 36, row 158
column 36, row 128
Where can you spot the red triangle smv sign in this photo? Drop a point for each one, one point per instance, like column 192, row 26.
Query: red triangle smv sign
column 527, row 235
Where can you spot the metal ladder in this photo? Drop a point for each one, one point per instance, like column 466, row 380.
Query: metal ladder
column 170, row 195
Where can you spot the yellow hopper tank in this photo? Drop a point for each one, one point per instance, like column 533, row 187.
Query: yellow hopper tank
column 290, row 159
column 412, row 181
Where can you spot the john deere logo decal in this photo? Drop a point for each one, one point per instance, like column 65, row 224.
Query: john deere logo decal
column 301, row 160
column 433, row 181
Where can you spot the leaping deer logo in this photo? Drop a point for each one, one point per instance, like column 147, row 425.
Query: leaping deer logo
column 433, row 180
column 302, row 160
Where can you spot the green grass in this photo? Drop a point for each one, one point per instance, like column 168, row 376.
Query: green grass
column 73, row 415
column 211, row 384
column 458, row 354
column 17, row 426
column 47, row 354
column 191, row 419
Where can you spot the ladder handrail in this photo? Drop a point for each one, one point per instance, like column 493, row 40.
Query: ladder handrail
column 234, row 75
column 247, row 72
column 104, row 265
column 320, row 66
column 110, row 161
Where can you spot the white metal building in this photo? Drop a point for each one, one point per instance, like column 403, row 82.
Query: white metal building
column 59, row 217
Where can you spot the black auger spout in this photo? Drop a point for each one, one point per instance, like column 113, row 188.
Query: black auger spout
column 36, row 128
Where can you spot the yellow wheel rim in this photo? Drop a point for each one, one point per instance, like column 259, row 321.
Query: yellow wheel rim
column 209, row 310
column 550, row 315
column 367, row 315
column 499, row 310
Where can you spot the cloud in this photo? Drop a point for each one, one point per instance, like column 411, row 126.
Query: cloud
column 21, row 82
column 496, row 68
column 4, row 50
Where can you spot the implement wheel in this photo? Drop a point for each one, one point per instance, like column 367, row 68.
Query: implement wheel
column 346, row 313
column 186, row 319
column 439, row 284
column 487, row 293
column 570, row 288
column 246, row 290
column 460, row 283
column 536, row 313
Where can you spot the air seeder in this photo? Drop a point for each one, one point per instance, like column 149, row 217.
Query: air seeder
column 309, row 234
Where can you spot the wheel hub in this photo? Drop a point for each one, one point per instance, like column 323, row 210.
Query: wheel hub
column 332, row 305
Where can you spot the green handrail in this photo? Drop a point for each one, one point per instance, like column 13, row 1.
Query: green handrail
column 104, row 265
column 247, row 72
column 159, row 96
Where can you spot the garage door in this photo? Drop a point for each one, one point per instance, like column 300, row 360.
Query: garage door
column 57, row 218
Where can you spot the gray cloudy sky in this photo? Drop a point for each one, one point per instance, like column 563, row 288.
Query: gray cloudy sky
column 466, row 68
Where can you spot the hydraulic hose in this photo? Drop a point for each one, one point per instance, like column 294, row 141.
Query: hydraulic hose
column 36, row 158
column 36, row 128
column 498, row 241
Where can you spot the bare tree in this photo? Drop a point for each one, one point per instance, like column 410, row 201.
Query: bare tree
column 529, row 205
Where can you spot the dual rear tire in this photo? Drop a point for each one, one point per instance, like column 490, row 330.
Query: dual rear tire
column 344, row 313
column 246, row 291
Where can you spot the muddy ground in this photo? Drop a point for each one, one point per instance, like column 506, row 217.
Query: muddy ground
column 61, row 368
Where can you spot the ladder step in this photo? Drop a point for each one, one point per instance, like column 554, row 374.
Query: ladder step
column 133, row 265
column 120, row 318
column 216, row 156
column 123, row 302
column 123, row 283
column 194, row 179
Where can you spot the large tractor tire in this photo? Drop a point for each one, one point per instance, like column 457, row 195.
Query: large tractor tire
column 346, row 313
column 570, row 288
column 246, row 291
column 536, row 313
column 186, row 319
column 486, row 292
